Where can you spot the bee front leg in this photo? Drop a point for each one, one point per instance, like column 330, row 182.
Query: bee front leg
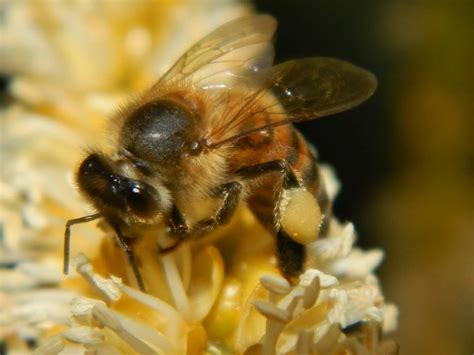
column 177, row 223
column 178, row 230
column 291, row 255
column 126, row 244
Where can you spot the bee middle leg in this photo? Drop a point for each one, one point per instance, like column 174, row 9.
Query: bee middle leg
column 230, row 196
column 291, row 255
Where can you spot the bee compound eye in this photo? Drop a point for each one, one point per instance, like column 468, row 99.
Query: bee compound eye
column 92, row 166
column 142, row 200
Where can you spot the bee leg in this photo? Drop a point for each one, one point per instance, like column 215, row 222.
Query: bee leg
column 177, row 223
column 127, row 246
column 291, row 255
column 255, row 171
column 230, row 197
column 178, row 229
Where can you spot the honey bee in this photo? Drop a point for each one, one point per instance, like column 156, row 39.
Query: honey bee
column 217, row 127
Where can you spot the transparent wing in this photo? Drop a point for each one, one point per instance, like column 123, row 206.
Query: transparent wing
column 293, row 91
column 232, row 50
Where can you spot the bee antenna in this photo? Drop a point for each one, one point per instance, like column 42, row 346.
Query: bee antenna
column 67, row 237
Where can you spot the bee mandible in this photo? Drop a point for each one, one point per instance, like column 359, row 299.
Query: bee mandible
column 217, row 127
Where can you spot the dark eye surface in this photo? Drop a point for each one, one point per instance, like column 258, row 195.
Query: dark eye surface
column 141, row 199
column 156, row 132
column 92, row 166
column 96, row 179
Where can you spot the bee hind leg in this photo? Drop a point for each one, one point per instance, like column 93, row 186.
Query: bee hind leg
column 256, row 171
column 291, row 255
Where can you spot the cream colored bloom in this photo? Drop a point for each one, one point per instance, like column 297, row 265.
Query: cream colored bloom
column 71, row 65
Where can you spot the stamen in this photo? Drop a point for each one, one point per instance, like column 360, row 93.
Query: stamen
column 276, row 320
column 155, row 303
column 107, row 289
column 175, row 285
column 303, row 346
column 275, row 284
column 53, row 345
column 109, row 319
column 272, row 312
column 84, row 335
column 311, row 293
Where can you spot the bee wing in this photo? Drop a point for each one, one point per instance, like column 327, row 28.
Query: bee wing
column 304, row 89
column 232, row 50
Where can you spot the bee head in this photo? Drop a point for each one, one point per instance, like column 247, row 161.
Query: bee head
column 114, row 194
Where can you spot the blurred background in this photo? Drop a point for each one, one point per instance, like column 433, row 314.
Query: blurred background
column 405, row 158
